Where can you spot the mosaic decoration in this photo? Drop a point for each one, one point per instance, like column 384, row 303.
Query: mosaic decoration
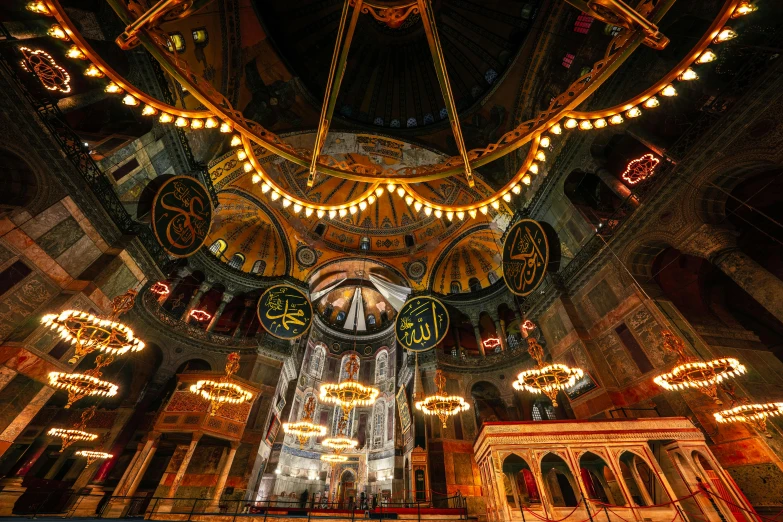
column 529, row 251
column 421, row 324
column 306, row 256
column 285, row 312
column 181, row 216
column 415, row 270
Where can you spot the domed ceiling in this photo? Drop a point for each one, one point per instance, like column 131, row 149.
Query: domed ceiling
column 335, row 305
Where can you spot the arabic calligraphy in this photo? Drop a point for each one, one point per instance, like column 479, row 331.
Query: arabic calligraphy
column 285, row 312
column 421, row 324
column 181, row 216
column 525, row 257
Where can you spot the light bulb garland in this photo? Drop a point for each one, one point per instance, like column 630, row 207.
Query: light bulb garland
column 334, row 458
column 754, row 414
column 222, row 392
column 81, row 385
column 548, row 379
column 93, row 456
column 440, row 404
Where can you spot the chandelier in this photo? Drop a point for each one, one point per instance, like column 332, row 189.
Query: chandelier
column 334, row 459
column 224, row 391
column 91, row 333
column 441, row 404
column 93, row 456
column 305, row 428
column 340, row 442
column 349, row 393
column 81, row 385
column 77, row 433
column 754, row 414
column 704, row 376
column 547, row 379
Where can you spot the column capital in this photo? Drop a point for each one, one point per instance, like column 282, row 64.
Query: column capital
column 709, row 241
column 234, row 444
column 226, row 297
column 197, row 436
column 205, row 287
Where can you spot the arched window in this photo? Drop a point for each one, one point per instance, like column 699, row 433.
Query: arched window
column 365, row 243
column 340, row 316
column 492, row 277
column 176, row 43
column 218, row 247
column 200, row 36
column 344, row 371
column 378, row 424
column 474, row 284
column 338, row 414
column 455, row 287
column 259, row 267
column 236, row 261
column 381, row 365
column 370, row 320
column 317, row 361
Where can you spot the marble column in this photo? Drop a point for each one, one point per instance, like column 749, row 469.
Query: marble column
column 195, row 300
column 477, row 331
column 142, row 463
column 616, row 186
column 248, row 307
column 128, row 475
column 719, row 246
column 457, row 343
column 29, row 458
column 21, row 421
column 183, row 467
column 500, row 328
column 223, row 477
column 224, row 300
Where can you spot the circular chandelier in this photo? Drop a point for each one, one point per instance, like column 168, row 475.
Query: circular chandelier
column 91, row 333
column 81, row 385
column 440, row 404
column 224, row 391
column 548, row 379
column 334, row 459
column 340, row 442
column 704, row 376
column 754, row 414
column 349, row 393
column 93, row 456
column 77, row 433
column 305, row 428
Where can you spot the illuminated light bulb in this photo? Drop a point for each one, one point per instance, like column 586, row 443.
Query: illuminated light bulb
column 371, row 198
column 484, row 210
column 297, row 208
column 236, row 140
column 427, row 211
column 113, row 88
column 495, row 204
column 438, row 213
column 600, row 123
column 241, row 155
column 533, row 168
column 417, row 206
column 526, row 179
column 225, row 128
column 449, row 215
column 93, row 72
column 507, row 197
column 516, row 189
column 332, row 214
column 210, row 123
column 669, row 91
column 353, row 209
column 247, row 166
column 585, row 125
column 633, row 112
column 320, row 213
column 343, row 212
column 181, row 122
column 461, row 215
column 409, row 200
column 196, row 124
column 725, row 35
column 56, row 31
column 130, row 100
column 472, row 213
column 706, row 56
column 266, row 187
column 570, row 124
column 38, row 8
column 688, row 75
column 286, row 202
column 274, row 196
column 256, row 178
column 652, row 102
column 362, row 205
column 616, row 119
column 400, row 191
column 545, row 142
column 308, row 211
column 149, row 110
column 166, row 118
column 75, row 53
column 742, row 9
column 379, row 192
column 390, row 187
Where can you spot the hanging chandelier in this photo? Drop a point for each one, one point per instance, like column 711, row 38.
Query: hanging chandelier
column 441, row 404
column 334, row 459
column 548, row 379
column 93, row 456
column 349, row 393
column 704, row 376
column 340, row 442
column 91, row 333
column 81, row 385
column 224, row 391
column 753, row 414
column 76, row 434
column 305, row 428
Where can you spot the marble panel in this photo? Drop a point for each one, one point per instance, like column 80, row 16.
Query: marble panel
column 554, row 329
column 622, row 366
column 19, row 304
column 60, row 237
column 15, row 397
column 79, row 256
column 603, row 298
column 761, row 483
column 45, row 221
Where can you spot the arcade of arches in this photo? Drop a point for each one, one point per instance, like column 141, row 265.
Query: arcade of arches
column 672, row 221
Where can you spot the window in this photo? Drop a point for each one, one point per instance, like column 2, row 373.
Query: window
column 568, row 59
column 343, row 369
column 125, row 169
column 317, row 361
column 200, row 36
column 365, row 243
column 409, row 240
column 218, row 247
column 384, row 317
column 455, row 287
column 474, row 284
column 176, row 42
column 492, row 277
column 583, row 23
column 536, row 413
column 259, row 267
column 340, row 316
column 381, row 364
column 320, row 229
column 236, row 261
column 371, row 320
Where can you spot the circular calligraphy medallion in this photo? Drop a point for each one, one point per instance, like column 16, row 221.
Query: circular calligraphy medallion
column 181, row 216
column 526, row 255
column 421, row 324
column 285, row 312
